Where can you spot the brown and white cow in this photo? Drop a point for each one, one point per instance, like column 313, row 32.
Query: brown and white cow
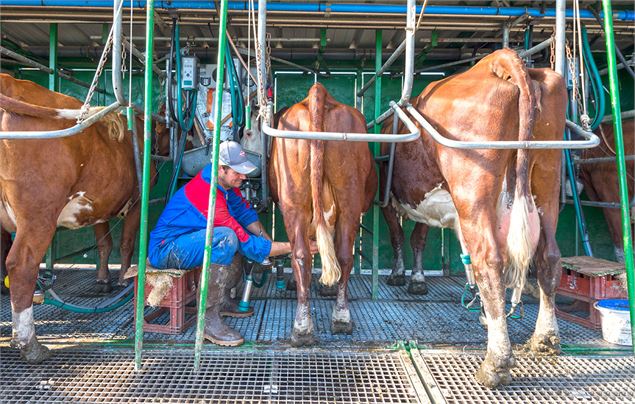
column 75, row 181
column 322, row 188
column 600, row 179
column 503, row 204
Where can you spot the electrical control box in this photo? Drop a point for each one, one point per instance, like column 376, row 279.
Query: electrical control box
column 189, row 72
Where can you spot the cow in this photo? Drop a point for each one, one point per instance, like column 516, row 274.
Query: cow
column 503, row 204
column 600, row 180
column 322, row 188
column 76, row 181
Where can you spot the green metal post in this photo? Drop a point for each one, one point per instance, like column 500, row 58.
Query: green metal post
column 376, row 151
column 357, row 256
column 621, row 165
column 53, row 76
column 218, row 104
column 53, row 86
column 145, row 189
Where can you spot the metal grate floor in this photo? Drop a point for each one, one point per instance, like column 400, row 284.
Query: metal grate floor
column 563, row 379
column 436, row 319
column 225, row 376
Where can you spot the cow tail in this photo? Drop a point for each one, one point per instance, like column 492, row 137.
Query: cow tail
column 331, row 271
column 524, row 225
column 20, row 107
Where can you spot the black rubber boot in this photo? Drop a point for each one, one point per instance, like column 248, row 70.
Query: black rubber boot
column 216, row 331
column 229, row 306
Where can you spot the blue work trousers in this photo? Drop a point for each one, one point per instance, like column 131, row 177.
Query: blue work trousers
column 187, row 250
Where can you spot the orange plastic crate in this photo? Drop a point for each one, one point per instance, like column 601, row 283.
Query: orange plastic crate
column 178, row 302
column 587, row 280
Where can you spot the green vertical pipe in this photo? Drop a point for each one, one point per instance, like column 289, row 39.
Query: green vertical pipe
column 53, row 86
column 145, row 189
column 377, row 129
column 218, row 104
column 621, row 164
column 53, row 76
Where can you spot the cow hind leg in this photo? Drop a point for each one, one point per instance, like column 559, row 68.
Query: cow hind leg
column 488, row 264
column 341, row 322
column 104, row 248
column 128, row 236
column 546, row 340
column 397, row 276
column 302, row 334
column 418, row 285
column 22, row 263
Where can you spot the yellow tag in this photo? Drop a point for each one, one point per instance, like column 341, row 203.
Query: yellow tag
column 6, row 281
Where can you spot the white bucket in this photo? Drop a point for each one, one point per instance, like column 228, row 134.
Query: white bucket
column 616, row 323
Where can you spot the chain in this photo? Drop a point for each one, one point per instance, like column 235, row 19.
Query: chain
column 574, row 78
column 100, row 67
column 123, row 59
column 268, row 50
column 552, row 50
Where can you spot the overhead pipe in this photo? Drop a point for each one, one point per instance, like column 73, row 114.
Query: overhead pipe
column 286, row 62
column 591, row 139
column 502, row 12
column 45, row 69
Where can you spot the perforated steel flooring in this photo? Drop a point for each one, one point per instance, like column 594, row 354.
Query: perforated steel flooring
column 229, row 376
column 342, row 368
column 91, row 374
column 562, row 379
column 433, row 319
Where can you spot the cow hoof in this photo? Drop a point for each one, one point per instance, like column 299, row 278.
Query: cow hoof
column 103, row 286
column 396, row 280
column 418, row 288
column 302, row 339
column 291, row 284
column 544, row 345
column 328, row 291
column 123, row 282
column 342, row 327
column 491, row 376
column 34, row 352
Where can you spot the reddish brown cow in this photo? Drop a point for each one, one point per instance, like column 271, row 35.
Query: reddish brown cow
column 486, row 195
column 322, row 188
column 75, row 181
column 600, row 179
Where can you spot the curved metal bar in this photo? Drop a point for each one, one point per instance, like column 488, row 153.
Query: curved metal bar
column 591, row 139
column 73, row 130
column 351, row 137
column 409, row 63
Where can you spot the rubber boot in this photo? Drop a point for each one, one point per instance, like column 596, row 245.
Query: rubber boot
column 229, row 306
column 216, row 331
